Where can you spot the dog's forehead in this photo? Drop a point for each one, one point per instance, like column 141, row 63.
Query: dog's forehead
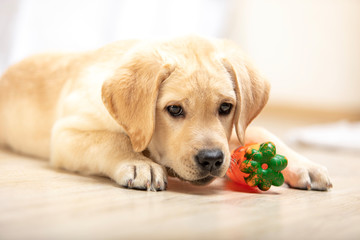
column 200, row 83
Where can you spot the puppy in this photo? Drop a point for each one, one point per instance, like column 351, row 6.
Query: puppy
column 136, row 111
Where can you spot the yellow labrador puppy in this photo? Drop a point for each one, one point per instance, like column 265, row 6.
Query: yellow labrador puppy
column 137, row 111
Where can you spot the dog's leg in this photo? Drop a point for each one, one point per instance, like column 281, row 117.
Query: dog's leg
column 301, row 172
column 104, row 153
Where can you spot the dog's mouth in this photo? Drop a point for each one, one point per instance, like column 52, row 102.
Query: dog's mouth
column 200, row 182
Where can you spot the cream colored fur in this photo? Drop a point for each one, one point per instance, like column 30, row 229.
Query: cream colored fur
column 105, row 112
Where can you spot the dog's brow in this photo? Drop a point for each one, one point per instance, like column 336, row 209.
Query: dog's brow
column 174, row 101
column 227, row 97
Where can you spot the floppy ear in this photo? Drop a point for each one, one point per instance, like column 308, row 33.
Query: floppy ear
column 130, row 96
column 252, row 89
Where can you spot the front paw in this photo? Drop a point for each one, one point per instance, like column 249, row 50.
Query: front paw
column 307, row 175
column 141, row 174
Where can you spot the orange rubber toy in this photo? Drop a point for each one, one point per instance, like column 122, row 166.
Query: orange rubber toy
column 257, row 165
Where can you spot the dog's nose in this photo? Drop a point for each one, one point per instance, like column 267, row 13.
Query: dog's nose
column 210, row 159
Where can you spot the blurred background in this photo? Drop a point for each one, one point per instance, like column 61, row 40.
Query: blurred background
column 309, row 50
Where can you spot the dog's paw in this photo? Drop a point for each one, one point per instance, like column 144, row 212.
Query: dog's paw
column 304, row 174
column 141, row 174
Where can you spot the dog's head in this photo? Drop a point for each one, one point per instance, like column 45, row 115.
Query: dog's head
column 179, row 100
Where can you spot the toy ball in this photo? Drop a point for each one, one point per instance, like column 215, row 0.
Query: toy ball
column 257, row 165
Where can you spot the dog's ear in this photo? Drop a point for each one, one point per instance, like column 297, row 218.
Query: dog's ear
column 251, row 88
column 131, row 93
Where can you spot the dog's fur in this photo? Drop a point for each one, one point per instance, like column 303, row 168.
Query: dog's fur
column 105, row 112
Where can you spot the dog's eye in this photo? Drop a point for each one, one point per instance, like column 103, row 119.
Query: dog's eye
column 225, row 108
column 175, row 111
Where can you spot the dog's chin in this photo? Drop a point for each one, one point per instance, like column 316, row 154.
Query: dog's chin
column 200, row 182
column 203, row 181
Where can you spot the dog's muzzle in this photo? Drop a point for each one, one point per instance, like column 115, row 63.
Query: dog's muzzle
column 209, row 163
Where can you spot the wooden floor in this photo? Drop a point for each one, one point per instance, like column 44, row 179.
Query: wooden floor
column 37, row 202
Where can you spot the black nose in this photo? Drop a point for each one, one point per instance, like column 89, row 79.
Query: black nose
column 210, row 159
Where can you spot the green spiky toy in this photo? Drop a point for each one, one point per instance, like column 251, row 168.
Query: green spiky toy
column 257, row 165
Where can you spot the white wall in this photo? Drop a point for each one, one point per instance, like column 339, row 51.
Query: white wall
column 310, row 50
